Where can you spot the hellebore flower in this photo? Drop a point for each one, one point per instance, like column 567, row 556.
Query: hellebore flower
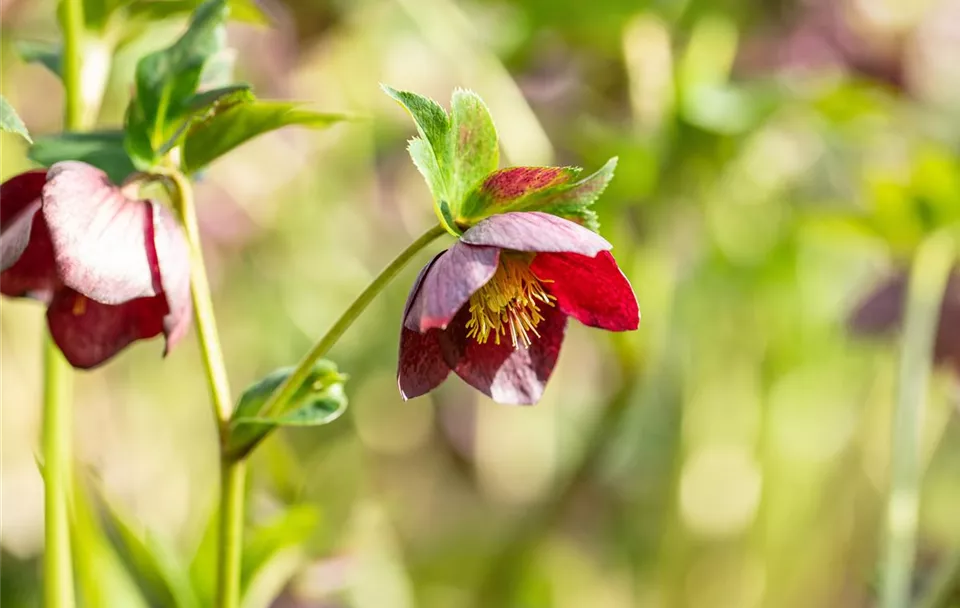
column 493, row 308
column 112, row 269
column 881, row 311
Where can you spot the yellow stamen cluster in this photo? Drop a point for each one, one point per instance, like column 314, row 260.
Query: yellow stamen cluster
column 509, row 301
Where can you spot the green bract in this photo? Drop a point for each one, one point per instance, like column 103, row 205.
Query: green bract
column 319, row 400
column 457, row 154
column 167, row 79
column 10, row 121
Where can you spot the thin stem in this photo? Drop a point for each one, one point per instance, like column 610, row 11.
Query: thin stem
column 57, row 444
column 928, row 279
column 204, row 317
column 286, row 391
column 233, row 479
column 73, row 35
column 233, row 473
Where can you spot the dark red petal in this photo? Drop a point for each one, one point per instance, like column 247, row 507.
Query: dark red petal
column 26, row 255
column 171, row 255
column 504, row 373
column 19, row 203
column 421, row 367
column 102, row 240
column 535, row 231
column 89, row 333
column 448, row 283
column 591, row 290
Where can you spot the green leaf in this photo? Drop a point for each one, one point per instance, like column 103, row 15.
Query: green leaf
column 97, row 13
column 10, row 121
column 548, row 189
column 432, row 152
column 150, row 560
column 319, row 400
column 246, row 11
column 101, row 579
column 166, row 80
column 242, row 122
column 44, row 53
column 203, row 107
column 273, row 554
column 102, row 149
column 473, row 141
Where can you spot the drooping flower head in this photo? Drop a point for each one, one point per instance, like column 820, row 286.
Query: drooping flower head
column 493, row 308
column 112, row 269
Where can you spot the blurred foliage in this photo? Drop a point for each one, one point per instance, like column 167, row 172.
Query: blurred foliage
column 777, row 160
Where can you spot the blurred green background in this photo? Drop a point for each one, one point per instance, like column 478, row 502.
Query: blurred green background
column 778, row 159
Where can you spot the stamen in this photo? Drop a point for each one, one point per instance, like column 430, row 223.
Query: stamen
column 511, row 299
column 79, row 306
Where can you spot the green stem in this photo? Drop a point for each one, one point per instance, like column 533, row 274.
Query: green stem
column 280, row 397
column 72, row 69
column 928, row 279
column 233, row 473
column 57, row 382
column 204, row 317
column 57, row 446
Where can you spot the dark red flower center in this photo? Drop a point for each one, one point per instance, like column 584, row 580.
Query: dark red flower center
column 509, row 302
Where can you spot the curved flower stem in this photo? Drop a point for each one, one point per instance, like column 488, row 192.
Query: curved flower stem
column 928, row 280
column 233, row 473
column 274, row 406
column 57, row 443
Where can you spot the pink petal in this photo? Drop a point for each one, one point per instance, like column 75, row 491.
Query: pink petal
column 535, row 231
column 591, row 290
column 26, row 254
column 101, row 239
column 171, row 255
column 89, row 333
column 448, row 283
column 504, row 373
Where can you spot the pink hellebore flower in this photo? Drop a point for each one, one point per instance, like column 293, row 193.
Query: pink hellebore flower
column 493, row 308
column 111, row 268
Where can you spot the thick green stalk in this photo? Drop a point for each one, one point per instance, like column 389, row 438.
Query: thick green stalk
column 280, row 397
column 57, row 382
column 928, row 279
column 233, row 473
column 57, row 447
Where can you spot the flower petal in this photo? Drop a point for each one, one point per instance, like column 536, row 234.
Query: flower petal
column 26, row 254
column 89, row 333
column 101, row 239
column 421, row 367
column 448, row 283
column 591, row 290
column 504, row 373
column 535, row 231
column 19, row 202
column 171, row 255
